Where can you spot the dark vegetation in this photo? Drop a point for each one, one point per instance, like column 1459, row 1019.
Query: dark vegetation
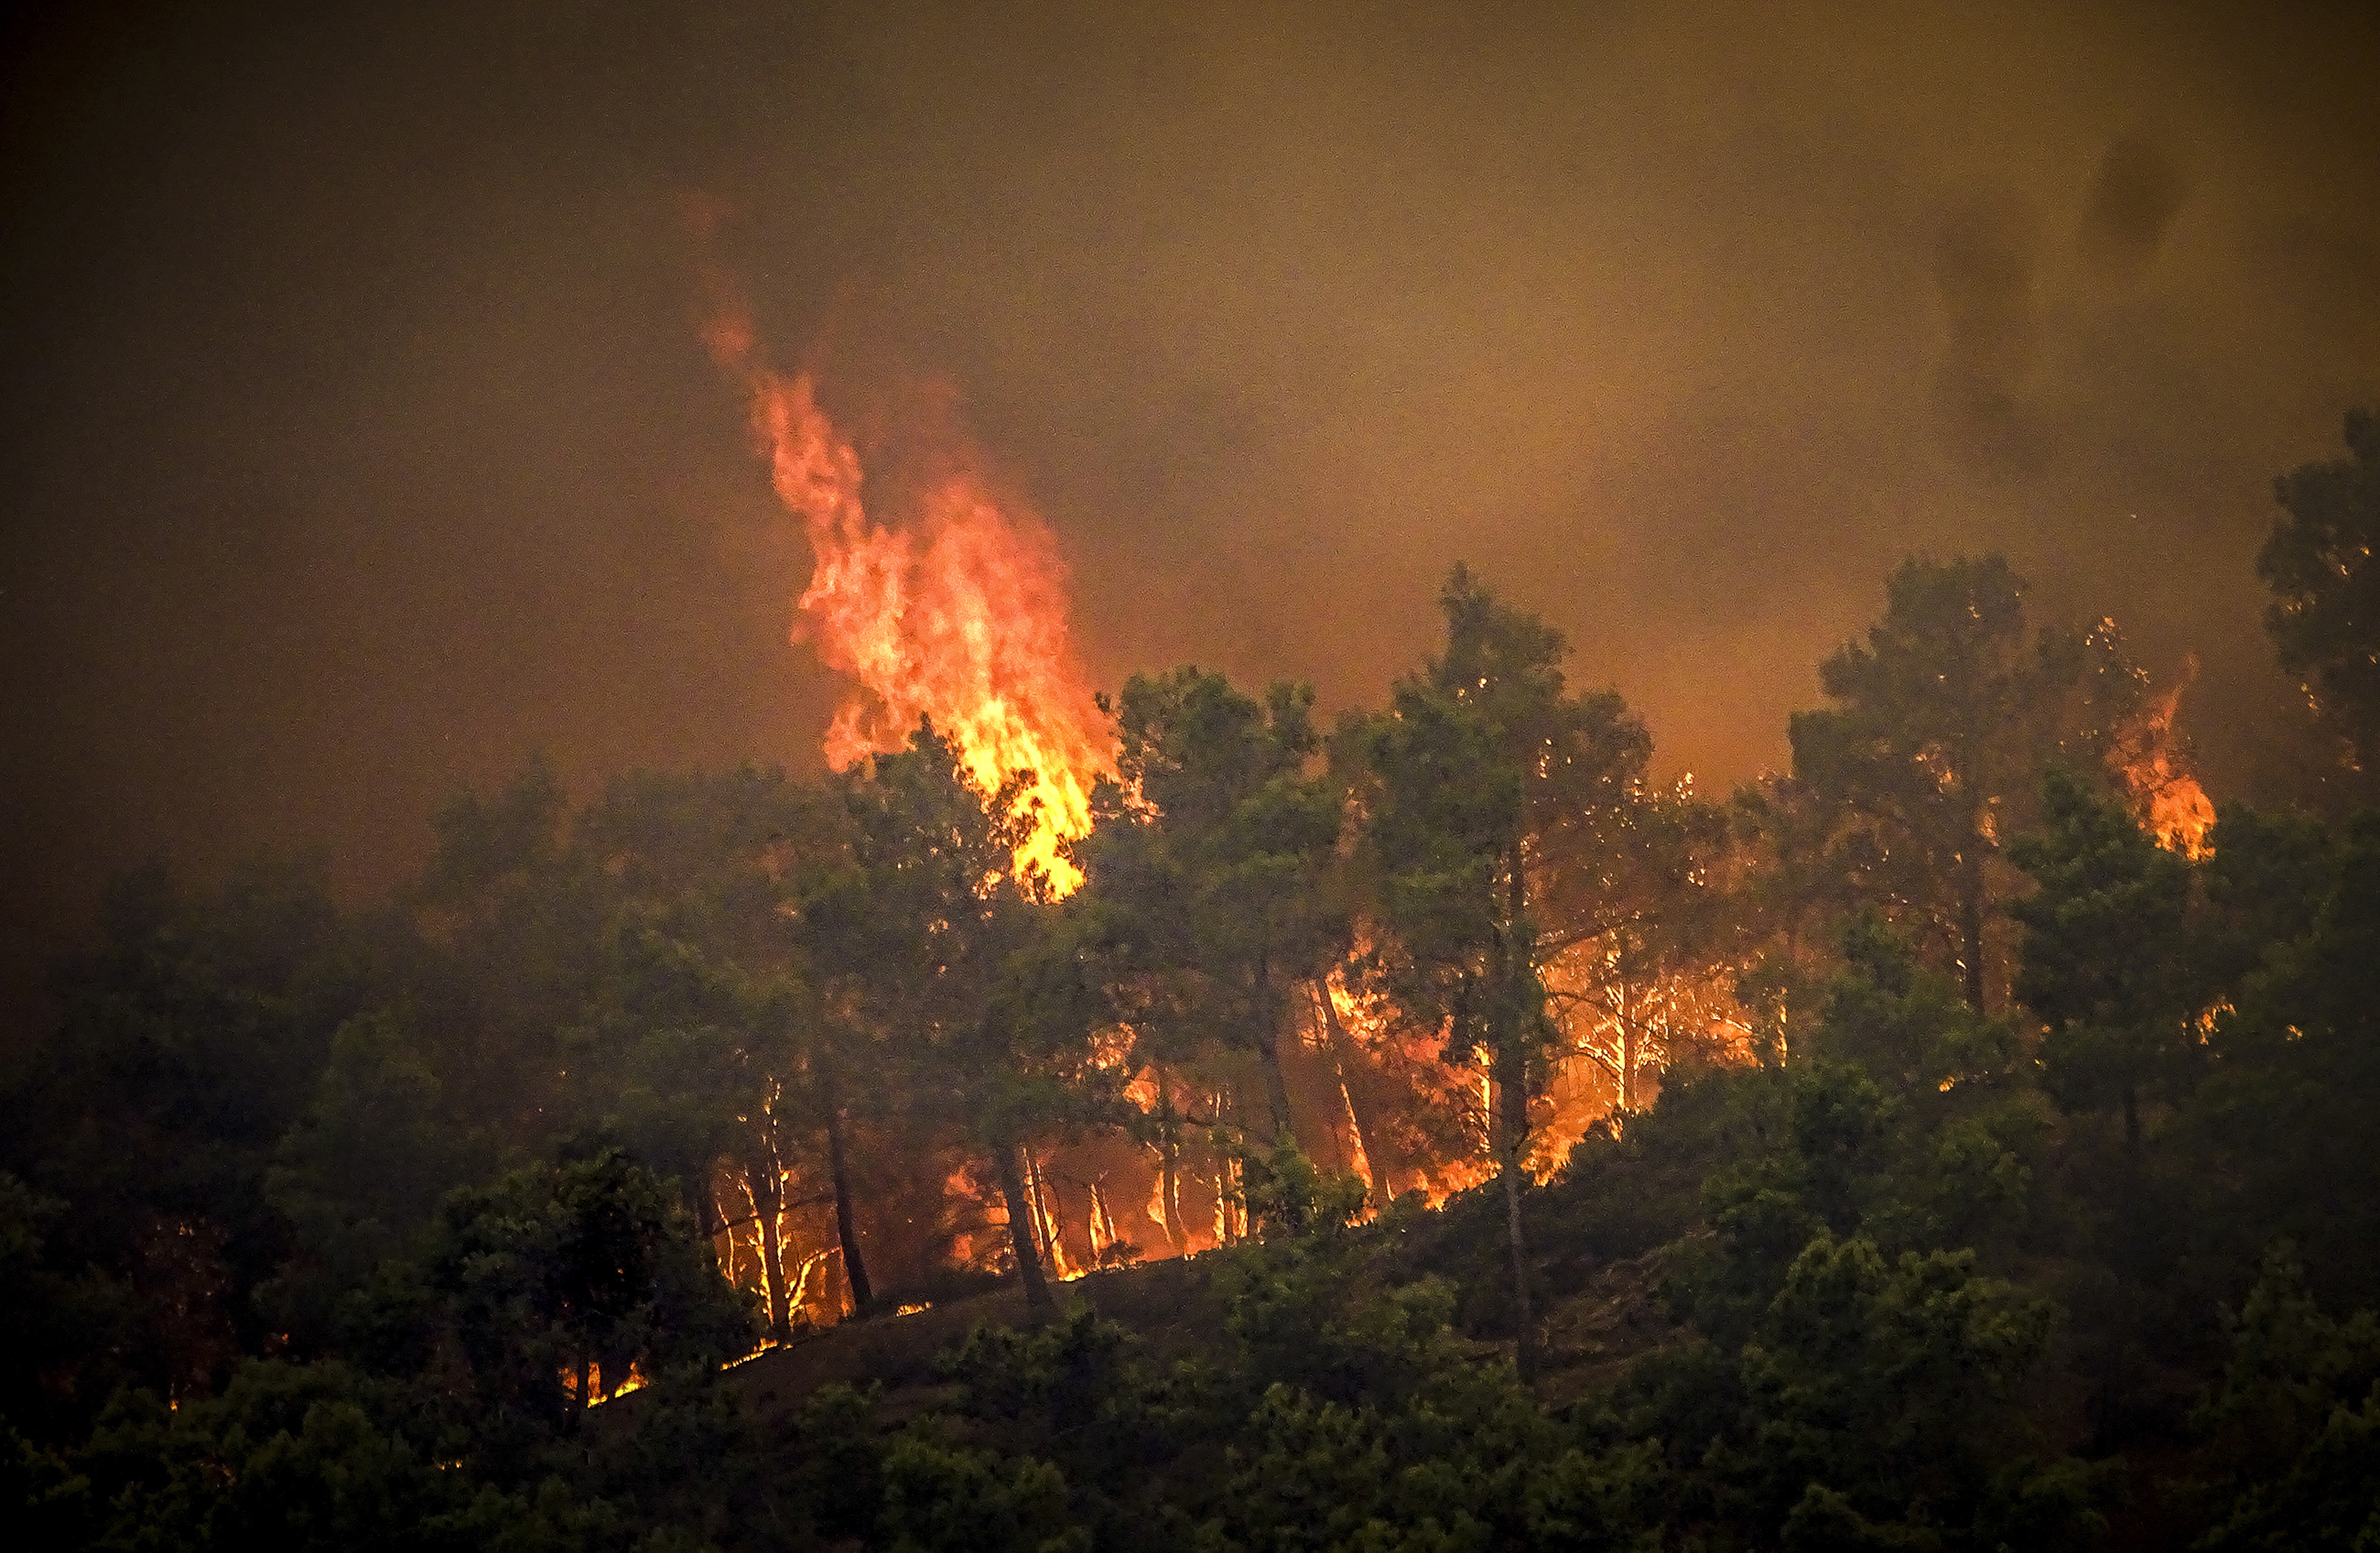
column 2031, row 1199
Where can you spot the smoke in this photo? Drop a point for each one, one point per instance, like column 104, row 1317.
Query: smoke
column 1984, row 267
column 2138, row 192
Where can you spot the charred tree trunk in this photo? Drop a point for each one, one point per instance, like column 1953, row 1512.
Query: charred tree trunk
column 847, row 1227
column 1269, row 1012
column 1512, row 1101
column 1276, row 1090
column 768, row 1199
column 1020, row 1229
column 1513, row 971
column 714, row 1224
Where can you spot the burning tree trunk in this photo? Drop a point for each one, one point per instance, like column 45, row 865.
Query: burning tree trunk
column 1046, row 1228
column 1227, row 1224
column 1269, row 1012
column 1020, row 1229
column 1169, row 1155
column 1105, row 1236
column 1344, row 1061
column 766, row 1186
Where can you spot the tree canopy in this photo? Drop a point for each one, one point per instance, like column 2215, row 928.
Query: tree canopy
column 1441, row 1134
column 2324, row 616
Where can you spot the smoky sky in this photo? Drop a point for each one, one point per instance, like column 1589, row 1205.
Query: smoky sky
column 361, row 440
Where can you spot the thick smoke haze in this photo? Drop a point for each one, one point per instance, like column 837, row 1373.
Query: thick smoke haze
column 362, row 440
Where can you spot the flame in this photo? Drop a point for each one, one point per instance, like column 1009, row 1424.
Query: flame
column 957, row 613
column 2167, row 800
column 598, row 1391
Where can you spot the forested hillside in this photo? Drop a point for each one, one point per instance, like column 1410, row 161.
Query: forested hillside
column 1963, row 1141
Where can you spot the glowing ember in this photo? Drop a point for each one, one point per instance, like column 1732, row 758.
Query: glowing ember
column 957, row 613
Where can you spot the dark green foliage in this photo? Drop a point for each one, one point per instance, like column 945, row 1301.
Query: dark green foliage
column 947, row 1498
column 1947, row 716
column 1287, row 1196
column 832, row 1467
column 1906, row 1026
column 588, row 1266
column 1469, row 1462
column 2325, row 614
column 359, row 1176
column 2266, row 882
column 982, row 988
column 1490, row 792
column 686, row 1460
column 312, row 1458
column 50, row 1503
column 1486, row 774
column 2111, row 963
column 1893, row 1385
column 189, row 1044
column 75, row 1335
column 318, row 1227
column 1945, row 1152
column 2297, row 1423
column 1205, row 872
column 1083, row 1393
column 285, row 1456
column 2284, row 1111
column 1337, row 1416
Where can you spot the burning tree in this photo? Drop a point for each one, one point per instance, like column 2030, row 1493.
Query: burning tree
column 1946, row 718
column 1208, row 871
column 958, row 953
column 705, row 1039
column 1644, row 966
column 1482, row 783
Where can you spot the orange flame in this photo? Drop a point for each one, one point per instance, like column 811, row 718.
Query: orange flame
column 958, row 613
column 2167, row 799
